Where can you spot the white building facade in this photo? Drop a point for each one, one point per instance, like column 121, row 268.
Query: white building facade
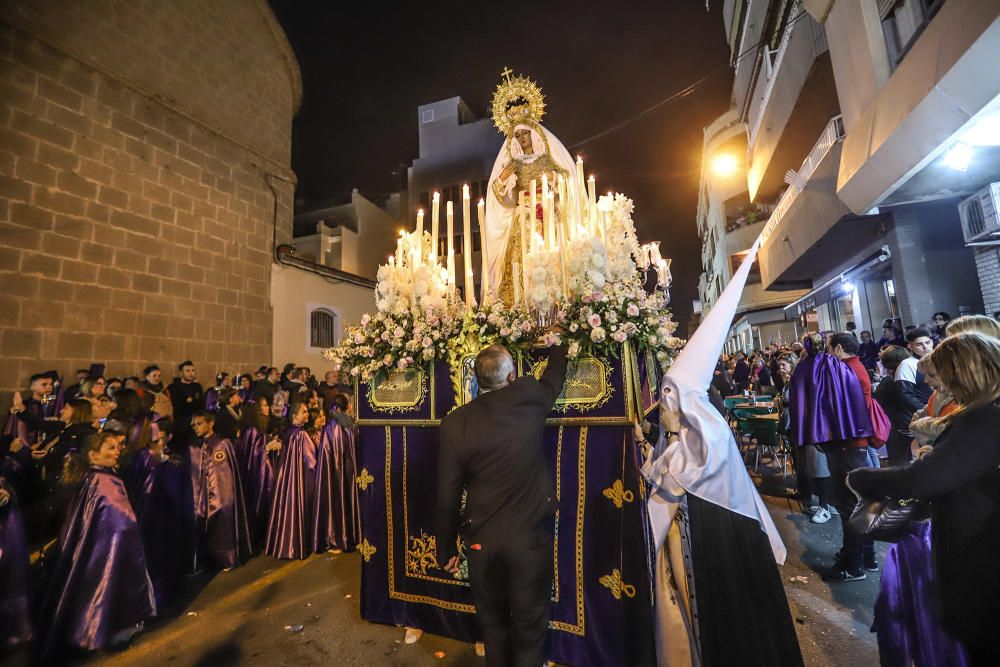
column 850, row 112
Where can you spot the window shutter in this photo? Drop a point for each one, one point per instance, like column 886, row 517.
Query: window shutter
column 321, row 329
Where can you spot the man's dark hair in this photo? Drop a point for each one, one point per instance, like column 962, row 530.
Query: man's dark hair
column 892, row 356
column 204, row 414
column 917, row 332
column 892, row 327
column 149, row 369
column 844, row 340
column 851, row 326
column 36, row 377
column 945, row 316
column 297, row 373
column 288, row 368
column 340, row 401
column 183, row 364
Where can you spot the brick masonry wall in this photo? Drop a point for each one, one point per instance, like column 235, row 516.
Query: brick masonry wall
column 130, row 231
column 988, row 267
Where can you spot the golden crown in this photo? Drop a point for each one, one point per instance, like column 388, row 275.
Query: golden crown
column 516, row 99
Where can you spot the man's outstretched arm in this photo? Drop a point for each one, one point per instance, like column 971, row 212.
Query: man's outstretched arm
column 554, row 376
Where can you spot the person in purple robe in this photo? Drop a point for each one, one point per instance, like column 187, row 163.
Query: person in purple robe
column 15, row 573
column 244, row 386
column 829, row 409
column 223, row 381
column 258, row 449
column 338, row 515
column 100, row 594
column 289, row 530
column 219, row 509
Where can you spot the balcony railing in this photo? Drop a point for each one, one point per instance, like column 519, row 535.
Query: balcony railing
column 833, row 133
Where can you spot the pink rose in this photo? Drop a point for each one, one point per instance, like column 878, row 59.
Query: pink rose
column 632, row 310
column 594, row 320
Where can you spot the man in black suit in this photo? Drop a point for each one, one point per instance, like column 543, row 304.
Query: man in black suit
column 493, row 447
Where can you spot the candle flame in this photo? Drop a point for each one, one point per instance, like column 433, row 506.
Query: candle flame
column 437, row 196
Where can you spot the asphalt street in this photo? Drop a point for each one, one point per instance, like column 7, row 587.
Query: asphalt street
column 306, row 613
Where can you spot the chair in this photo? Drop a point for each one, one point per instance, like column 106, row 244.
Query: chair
column 765, row 433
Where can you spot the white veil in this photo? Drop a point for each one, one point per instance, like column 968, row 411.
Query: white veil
column 498, row 216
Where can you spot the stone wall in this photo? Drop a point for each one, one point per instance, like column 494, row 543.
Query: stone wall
column 141, row 189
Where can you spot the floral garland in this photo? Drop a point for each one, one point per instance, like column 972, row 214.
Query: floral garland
column 415, row 322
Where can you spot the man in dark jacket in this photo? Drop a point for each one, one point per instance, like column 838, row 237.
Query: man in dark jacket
column 267, row 387
column 493, row 447
column 188, row 398
column 741, row 373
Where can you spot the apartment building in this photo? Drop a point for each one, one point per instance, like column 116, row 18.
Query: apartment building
column 872, row 138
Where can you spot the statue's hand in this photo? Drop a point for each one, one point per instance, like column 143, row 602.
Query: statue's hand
column 507, row 170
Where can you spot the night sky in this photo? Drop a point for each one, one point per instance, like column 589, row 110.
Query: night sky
column 366, row 66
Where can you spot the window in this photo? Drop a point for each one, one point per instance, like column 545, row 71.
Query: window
column 903, row 21
column 322, row 329
column 427, row 116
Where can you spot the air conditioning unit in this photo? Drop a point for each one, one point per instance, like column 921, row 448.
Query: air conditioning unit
column 979, row 214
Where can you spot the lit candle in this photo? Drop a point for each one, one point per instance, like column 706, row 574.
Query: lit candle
column 563, row 261
column 450, row 217
column 545, row 208
column 399, row 248
column 515, row 270
column 435, row 216
column 564, row 209
column 592, row 197
column 550, row 223
column 420, row 236
column 581, row 186
column 392, row 261
column 467, row 246
column 485, row 277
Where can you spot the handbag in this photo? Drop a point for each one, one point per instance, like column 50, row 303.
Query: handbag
column 886, row 520
column 880, row 424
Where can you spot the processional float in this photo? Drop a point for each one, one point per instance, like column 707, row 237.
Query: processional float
column 553, row 253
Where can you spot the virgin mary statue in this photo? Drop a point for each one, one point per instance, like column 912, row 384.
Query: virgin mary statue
column 529, row 151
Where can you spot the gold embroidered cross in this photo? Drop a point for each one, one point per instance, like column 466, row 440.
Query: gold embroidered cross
column 506, row 72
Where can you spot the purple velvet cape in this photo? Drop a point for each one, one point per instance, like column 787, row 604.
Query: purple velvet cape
column 100, row 591
column 15, row 575
column 257, row 471
column 827, row 402
column 289, row 530
column 906, row 619
column 337, row 519
column 219, row 510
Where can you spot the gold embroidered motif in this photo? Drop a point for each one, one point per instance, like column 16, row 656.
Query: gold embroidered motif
column 401, row 391
column 422, row 553
column 364, row 479
column 219, row 456
column 367, row 550
column 614, row 583
column 618, row 494
column 587, row 387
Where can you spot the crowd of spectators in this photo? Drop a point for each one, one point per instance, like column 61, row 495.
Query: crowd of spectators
column 113, row 490
column 913, row 416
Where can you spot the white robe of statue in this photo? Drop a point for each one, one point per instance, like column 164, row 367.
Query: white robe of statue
column 500, row 212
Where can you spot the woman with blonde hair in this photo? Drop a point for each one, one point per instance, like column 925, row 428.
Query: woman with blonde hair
column 960, row 479
column 981, row 323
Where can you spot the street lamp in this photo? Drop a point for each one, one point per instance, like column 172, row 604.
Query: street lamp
column 724, row 165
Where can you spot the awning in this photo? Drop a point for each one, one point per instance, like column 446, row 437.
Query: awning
column 835, row 287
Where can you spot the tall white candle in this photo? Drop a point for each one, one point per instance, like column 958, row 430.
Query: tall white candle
column 592, row 198
column 515, row 270
column 450, row 217
column 484, row 279
column 467, row 247
column 581, row 189
column 522, row 220
column 435, row 217
column 420, row 237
